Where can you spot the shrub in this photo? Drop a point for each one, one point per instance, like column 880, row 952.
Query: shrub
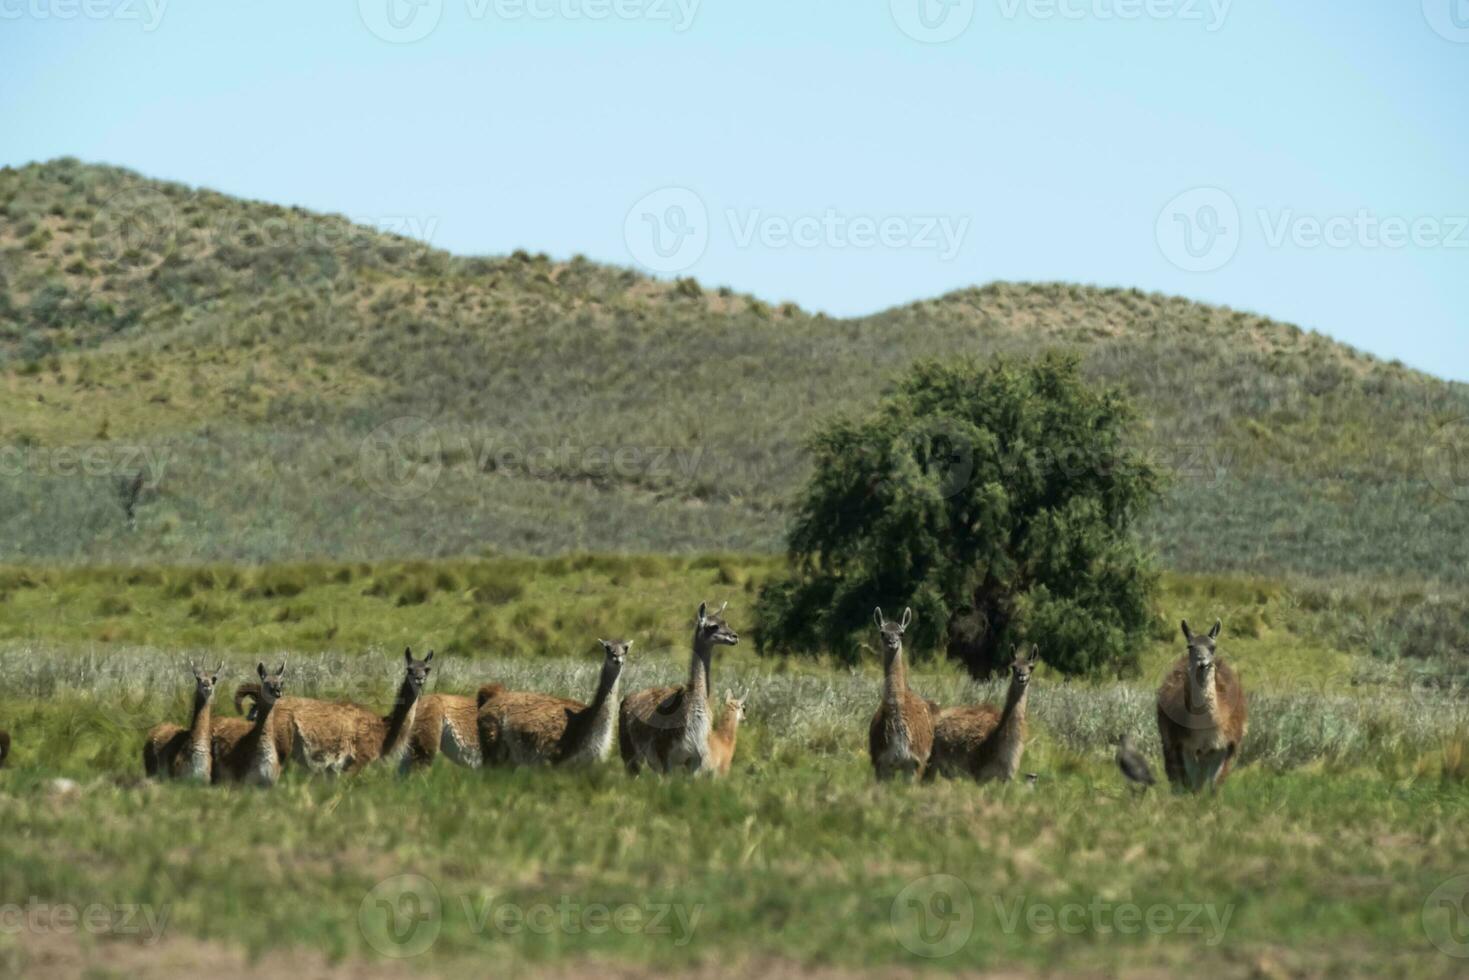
column 995, row 501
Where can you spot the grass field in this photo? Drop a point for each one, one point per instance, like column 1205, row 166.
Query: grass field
column 1320, row 856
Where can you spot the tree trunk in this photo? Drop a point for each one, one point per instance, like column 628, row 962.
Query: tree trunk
column 974, row 635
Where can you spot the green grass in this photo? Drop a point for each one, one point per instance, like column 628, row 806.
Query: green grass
column 1321, row 851
column 1342, row 633
column 1318, row 857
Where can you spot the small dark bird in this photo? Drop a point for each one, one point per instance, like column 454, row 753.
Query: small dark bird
column 1134, row 767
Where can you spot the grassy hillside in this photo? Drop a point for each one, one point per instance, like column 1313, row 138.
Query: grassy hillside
column 245, row 354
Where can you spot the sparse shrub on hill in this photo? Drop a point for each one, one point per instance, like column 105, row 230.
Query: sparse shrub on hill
column 997, row 500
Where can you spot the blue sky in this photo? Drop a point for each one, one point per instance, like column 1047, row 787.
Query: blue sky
column 1304, row 160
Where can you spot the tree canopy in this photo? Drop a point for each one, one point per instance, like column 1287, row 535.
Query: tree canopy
column 997, row 499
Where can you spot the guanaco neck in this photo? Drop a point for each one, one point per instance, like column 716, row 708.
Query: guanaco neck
column 606, row 694
column 201, row 732
column 696, row 700
column 729, row 726
column 1012, row 718
column 1203, row 698
column 894, row 677
column 598, row 714
column 400, row 722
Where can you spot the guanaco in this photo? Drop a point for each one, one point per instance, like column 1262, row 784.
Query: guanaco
column 171, row 752
column 982, row 741
column 519, row 728
column 448, row 724
column 900, row 738
column 235, row 742
column 1202, row 716
column 722, row 739
column 340, row 738
column 667, row 728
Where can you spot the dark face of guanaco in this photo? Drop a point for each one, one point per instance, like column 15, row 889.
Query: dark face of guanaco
column 891, row 633
column 614, row 653
column 204, row 681
column 712, row 629
column 272, row 686
column 1201, row 651
column 1023, row 666
column 417, row 671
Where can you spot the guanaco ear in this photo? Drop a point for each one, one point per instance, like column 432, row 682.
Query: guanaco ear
column 907, row 617
column 1188, row 634
column 429, row 657
column 703, row 612
column 1218, row 625
column 877, row 617
column 282, row 671
column 722, row 607
column 627, row 647
column 408, row 656
column 1035, row 653
column 605, row 644
column 260, row 669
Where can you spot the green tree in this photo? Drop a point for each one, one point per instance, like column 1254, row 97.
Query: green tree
column 995, row 499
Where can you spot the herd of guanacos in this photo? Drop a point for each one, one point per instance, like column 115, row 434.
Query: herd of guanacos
column 1201, row 723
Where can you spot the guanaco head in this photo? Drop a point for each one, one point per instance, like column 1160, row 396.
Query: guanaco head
column 734, row 708
column 272, row 686
column 1023, row 664
column 416, row 671
column 1201, row 651
column 204, row 681
column 615, row 652
column 712, row 630
column 892, row 632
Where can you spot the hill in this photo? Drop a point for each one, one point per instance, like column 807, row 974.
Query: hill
column 294, row 386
